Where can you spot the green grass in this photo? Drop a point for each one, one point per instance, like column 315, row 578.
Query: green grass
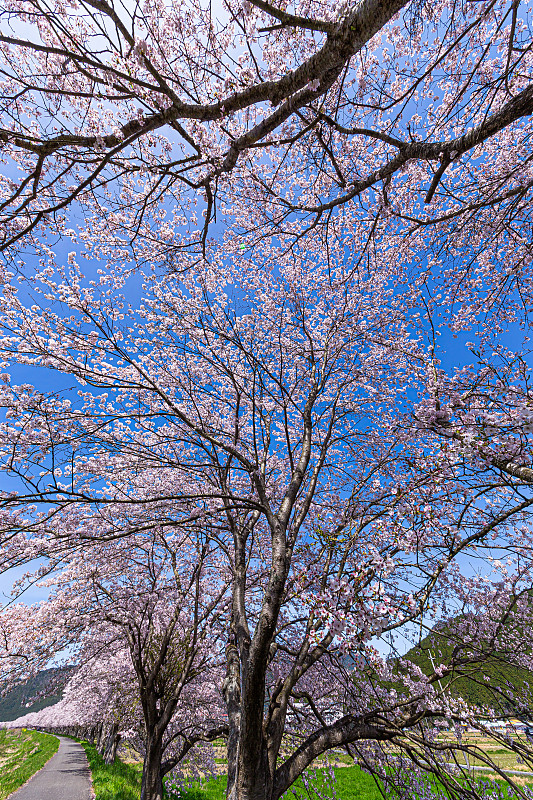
column 212, row 790
column 120, row 781
column 116, row 781
column 352, row 784
column 22, row 754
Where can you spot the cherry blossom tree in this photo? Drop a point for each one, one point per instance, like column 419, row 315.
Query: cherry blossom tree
column 140, row 619
column 99, row 696
column 294, row 193
column 157, row 601
column 281, row 416
column 275, row 119
column 104, row 703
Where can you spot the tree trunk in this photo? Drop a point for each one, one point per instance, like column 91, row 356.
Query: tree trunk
column 232, row 696
column 100, row 741
column 252, row 781
column 152, row 781
column 113, row 738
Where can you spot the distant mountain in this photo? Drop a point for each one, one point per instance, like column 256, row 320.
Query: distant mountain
column 45, row 689
column 479, row 684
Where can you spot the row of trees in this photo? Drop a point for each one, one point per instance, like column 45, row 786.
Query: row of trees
column 234, row 487
column 243, row 447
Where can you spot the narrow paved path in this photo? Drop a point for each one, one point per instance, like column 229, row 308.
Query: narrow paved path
column 65, row 777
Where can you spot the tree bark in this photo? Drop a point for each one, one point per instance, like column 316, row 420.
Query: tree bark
column 253, row 780
column 232, row 696
column 152, row 781
column 113, row 738
column 250, row 776
column 100, row 739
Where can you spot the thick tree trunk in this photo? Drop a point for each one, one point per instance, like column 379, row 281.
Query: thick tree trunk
column 232, row 695
column 252, row 781
column 152, row 781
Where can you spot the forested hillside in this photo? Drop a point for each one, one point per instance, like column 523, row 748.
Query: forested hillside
column 491, row 684
column 45, row 689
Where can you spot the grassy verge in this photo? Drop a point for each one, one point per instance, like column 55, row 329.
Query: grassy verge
column 120, row 781
column 352, row 784
column 22, row 754
column 113, row 781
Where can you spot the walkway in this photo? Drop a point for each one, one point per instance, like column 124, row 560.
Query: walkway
column 65, row 777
